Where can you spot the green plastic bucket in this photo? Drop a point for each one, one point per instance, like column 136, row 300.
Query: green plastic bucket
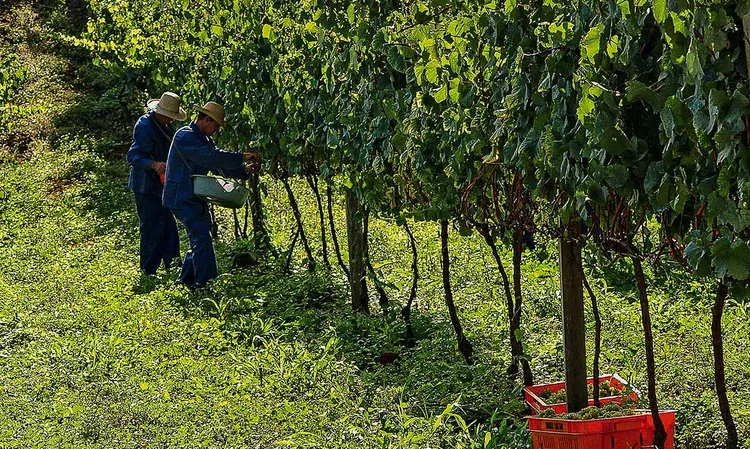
column 220, row 191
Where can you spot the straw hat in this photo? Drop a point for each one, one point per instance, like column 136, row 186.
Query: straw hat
column 213, row 110
column 168, row 105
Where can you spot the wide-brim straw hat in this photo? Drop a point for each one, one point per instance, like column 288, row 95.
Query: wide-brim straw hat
column 213, row 110
column 168, row 105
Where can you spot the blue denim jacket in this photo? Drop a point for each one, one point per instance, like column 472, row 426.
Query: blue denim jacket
column 200, row 152
column 149, row 144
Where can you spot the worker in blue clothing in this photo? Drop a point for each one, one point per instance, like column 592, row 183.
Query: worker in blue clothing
column 193, row 152
column 147, row 156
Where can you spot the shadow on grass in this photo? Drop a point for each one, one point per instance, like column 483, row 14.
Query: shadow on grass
column 261, row 303
column 65, row 15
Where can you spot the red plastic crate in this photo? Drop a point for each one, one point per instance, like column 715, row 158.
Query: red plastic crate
column 537, row 404
column 625, row 432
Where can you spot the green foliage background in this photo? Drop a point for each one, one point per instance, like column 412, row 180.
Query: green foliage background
column 93, row 355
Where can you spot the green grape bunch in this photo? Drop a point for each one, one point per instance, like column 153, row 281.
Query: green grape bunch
column 611, row 410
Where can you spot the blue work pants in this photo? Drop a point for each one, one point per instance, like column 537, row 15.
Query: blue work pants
column 199, row 265
column 160, row 241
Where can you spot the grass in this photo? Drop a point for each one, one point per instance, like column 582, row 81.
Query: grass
column 92, row 354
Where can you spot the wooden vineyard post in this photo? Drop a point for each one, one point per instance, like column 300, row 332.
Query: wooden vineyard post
column 574, row 326
column 355, row 236
column 261, row 239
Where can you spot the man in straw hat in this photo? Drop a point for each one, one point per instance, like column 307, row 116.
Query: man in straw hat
column 147, row 157
column 193, row 152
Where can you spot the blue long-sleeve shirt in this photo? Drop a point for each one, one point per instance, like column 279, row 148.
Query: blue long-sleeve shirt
column 202, row 155
column 150, row 143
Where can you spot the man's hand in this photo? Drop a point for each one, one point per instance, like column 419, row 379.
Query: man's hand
column 252, row 167
column 251, row 158
column 159, row 167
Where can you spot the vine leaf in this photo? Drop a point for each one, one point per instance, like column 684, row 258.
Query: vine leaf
column 378, row 41
column 442, row 94
column 268, row 32
column 694, row 254
column 585, row 108
column 613, row 46
column 591, row 43
column 661, row 10
column 460, row 26
column 681, row 197
column 431, row 71
column 624, row 6
column 418, row 73
column 453, row 92
column 693, row 61
column 637, row 91
column 737, row 106
column 396, row 60
column 730, row 258
column 615, row 142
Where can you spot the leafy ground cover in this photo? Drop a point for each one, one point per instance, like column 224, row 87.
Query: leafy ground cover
column 94, row 355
